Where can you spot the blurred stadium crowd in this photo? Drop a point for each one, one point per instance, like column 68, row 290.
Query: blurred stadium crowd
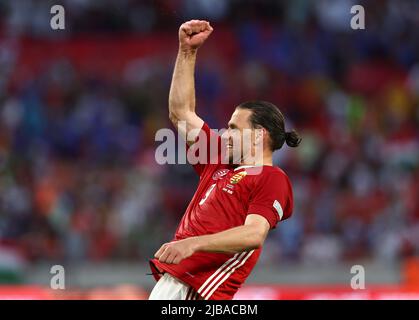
column 78, row 177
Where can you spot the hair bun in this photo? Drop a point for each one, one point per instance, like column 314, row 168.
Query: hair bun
column 292, row 138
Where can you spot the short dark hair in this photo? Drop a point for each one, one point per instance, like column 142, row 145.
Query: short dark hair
column 267, row 115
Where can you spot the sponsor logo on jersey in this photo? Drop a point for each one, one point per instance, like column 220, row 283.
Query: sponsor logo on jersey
column 219, row 174
column 238, row 177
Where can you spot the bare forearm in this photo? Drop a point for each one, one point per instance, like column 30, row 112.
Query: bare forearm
column 233, row 240
column 244, row 238
column 182, row 89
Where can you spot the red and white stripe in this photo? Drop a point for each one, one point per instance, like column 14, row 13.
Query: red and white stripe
column 191, row 294
column 222, row 274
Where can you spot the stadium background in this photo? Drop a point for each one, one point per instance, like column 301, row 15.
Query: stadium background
column 79, row 108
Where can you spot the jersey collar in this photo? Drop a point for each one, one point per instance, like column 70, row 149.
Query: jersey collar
column 244, row 167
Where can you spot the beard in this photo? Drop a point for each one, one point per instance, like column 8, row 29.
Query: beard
column 234, row 159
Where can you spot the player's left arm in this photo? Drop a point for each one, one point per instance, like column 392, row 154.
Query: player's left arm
column 249, row 236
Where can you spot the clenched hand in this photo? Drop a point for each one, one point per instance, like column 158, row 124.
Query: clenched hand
column 192, row 34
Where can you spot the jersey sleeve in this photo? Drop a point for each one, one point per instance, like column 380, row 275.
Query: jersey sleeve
column 205, row 151
column 272, row 198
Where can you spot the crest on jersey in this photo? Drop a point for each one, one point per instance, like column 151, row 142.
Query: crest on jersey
column 238, row 177
column 219, row 174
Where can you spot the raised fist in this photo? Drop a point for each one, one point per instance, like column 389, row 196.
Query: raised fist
column 192, row 34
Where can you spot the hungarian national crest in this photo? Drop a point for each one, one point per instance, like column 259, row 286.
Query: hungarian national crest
column 237, row 177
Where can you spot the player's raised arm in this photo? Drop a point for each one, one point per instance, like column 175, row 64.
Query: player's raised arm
column 192, row 35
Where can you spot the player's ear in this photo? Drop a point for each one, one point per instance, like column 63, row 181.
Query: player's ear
column 260, row 134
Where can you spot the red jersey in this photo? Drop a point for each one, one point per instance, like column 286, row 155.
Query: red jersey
column 225, row 196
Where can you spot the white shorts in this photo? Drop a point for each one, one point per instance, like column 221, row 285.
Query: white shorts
column 170, row 288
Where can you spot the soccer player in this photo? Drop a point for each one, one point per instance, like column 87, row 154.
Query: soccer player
column 220, row 236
